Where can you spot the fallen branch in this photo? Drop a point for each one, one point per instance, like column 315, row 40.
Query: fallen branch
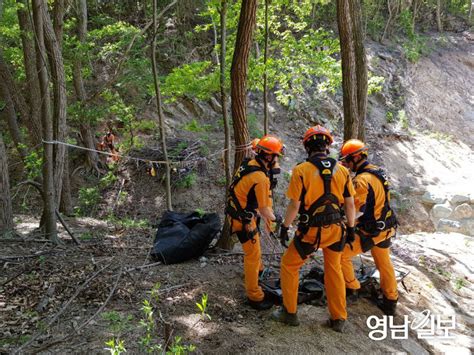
column 66, row 228
column 101, row 308
column 61, row 311
column 143, row 266
column 13, row 257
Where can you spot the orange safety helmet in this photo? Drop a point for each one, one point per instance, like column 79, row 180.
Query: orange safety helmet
column 352, row 147
column 254, row 143
column 314, row 131
column 270, row 145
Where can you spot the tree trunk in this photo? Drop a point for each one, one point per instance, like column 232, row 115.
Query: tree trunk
column 6, row 214
column 58, row 20
column 349, row 79
column 65, row 205
column 238, row 75
column 266, row 117
column 9, row 114
column 439, row 5
column 360, row 66
column 92, row 158
column 470, row 10
column 161, row 118
column 60, row 100
column 33, row 120
column 49, row 216
column 228, row 175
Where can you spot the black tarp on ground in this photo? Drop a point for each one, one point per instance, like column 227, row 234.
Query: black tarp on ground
column 183, row 236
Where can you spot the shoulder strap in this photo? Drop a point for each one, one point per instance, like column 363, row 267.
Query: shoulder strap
column 326, row 168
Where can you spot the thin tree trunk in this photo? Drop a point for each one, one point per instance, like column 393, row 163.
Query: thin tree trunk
column 65, row 205
column 360, row 66
column 58, row 20
column 439, row 5
column 214, row 29
column 349, row 78
column 92, row 158
column 223, row 17
column 415, row 6
column 238, row 76
column 60, row 100
column 6, row 214
column 160, row 110
column 9, row 114
column 471, row 9
column 33, row 120
column 266, row 117
column 49, row 215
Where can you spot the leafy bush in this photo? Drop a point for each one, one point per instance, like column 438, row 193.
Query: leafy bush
column 375, row 84
column 89, row 197
column 187, row 181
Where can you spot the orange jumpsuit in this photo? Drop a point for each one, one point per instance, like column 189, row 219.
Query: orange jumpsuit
column 370, row 199
column 341, row 186
column 254, row 186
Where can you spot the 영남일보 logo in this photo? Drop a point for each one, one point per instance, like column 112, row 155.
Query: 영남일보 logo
column 425, row 324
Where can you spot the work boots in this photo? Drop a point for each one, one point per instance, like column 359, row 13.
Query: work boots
column 337, row 325
column 261, row 305
column 352, row 295
column 281, row 315
column 387, row 306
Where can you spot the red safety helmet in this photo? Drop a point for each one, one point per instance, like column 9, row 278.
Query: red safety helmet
column 254, row 143
column 315, row 131
column 270, row 145
column 352, row 147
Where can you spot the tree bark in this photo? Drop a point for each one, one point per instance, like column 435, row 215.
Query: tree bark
column 161, row 119
column 65, row 205
column 33, row 120
column 49, row 214
column 439, row 5
column 238, row 74
column 58, row 20
column 92, row 158
column 266, row 117
column 9, row 114
column 6, row 214
column 60, row 100
column 360, row 65
column 349, row 78
column 223, row 18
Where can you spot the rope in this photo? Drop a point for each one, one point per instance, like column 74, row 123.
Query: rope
column 239, row 148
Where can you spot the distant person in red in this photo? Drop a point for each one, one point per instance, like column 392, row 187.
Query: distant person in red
column 108, row 144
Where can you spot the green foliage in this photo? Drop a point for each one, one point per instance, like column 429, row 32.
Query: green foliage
column 115, row 346
column 188, row 181
column 373, row 13
column 389, row 117
column 254, row 128
column 178, row 348
column 88, row 199
column 459, row 283
column 375, row 84
column 405, row 20
column 144, row 126
column 202, row 306
column 195, row 126
column 116, row 322
column 86, row 236
column 147, row 341
column 127, row 222
column 33, row 163
column 108, row 180
column 414, row 48
column 200, row 211
column 198, row 79
column 402, row 119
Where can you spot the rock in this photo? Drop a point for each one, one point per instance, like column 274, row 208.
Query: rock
column 447, row 225
column 430, row 198
column 459, row 199
column 441, row 211
column 462, row 211
column 203, row 259
column 467, row 227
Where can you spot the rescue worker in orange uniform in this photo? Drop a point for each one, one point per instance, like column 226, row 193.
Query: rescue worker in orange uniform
column 376, row 225
column 319, row 188
column 249, row 197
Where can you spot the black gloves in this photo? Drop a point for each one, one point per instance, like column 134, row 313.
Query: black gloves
column 284, row 236
column 350, row 235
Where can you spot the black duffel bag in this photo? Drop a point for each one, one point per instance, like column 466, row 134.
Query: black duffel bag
column 183, row 236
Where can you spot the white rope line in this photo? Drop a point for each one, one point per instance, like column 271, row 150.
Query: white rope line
column 55, row 142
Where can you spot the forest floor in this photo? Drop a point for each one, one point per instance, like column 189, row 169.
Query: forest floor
column 72, row 299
